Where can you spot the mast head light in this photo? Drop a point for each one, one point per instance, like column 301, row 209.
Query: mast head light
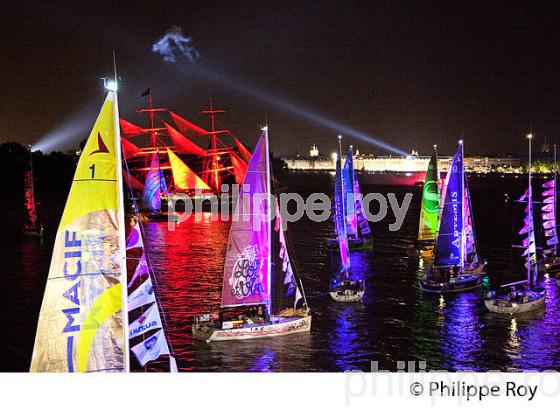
column 460, row 142
column 529, row 136
column 339, row 137
column 111, row 85
column 265, row 128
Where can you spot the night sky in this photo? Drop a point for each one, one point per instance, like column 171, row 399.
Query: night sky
column 410, row 75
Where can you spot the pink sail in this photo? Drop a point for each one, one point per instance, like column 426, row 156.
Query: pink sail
column 247, row 265
column 549, row 184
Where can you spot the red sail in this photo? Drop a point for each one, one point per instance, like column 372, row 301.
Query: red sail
column 245, row 153
column 131, row 130
column 132, row 182
column 183, row 144
column 186, row 127
column 129, row 149
column 30, row 200
column 239, row 168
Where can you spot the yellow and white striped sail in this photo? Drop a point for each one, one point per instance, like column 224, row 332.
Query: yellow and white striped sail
column 81, row 326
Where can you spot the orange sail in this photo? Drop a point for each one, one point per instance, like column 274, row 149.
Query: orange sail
column 182, row 143
column 183, row 176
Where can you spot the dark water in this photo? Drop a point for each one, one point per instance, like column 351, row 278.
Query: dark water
column 394, row 322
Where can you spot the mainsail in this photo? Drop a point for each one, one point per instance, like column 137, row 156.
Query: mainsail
column 340, row 217
column 450, row 242
column 155, row 186
column 429, row 211
column 82, row 323
column 247, row 269
column 184, row 177
column 348, row 186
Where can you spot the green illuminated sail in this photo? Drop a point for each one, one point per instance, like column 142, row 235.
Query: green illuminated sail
column 429, row 212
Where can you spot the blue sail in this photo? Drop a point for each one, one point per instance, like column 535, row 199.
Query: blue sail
column 450, row 238
column 348, row 176
column 339, row 217
column 154, row 187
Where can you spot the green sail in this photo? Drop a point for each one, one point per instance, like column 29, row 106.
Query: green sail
column 429, row 212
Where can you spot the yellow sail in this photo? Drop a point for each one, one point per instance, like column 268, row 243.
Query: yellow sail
column 183, row 176
column 81, row 326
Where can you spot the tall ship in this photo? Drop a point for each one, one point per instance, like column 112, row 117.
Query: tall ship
column 185, row 157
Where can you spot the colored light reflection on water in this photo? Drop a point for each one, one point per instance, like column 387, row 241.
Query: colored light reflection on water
column 395, row 321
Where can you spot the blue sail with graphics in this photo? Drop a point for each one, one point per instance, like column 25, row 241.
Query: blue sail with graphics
column 340, row 217
column 348, row 176
column 450, row 239
column 154, row 187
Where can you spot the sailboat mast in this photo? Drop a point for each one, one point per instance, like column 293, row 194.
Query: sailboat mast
column 120, row 218
column 530, row 208
column 269, row 223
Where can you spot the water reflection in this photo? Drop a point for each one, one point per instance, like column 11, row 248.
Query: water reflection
column 396, row 321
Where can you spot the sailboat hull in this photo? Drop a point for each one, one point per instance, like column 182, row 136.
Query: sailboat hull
column 347, row 296
column 35, row 232
column 459, row 284
column 280, row 326
column 348, row 291
column 503, row 306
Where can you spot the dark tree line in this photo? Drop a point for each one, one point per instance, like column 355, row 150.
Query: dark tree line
column 52, row 172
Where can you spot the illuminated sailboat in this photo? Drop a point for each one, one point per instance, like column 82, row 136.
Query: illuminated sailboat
column 456, row 265
column 83, row 323
column 522, row 296
column 358, row 231
column 550, row 224
column 259, row 275
column 344, row 287
column 429, row 211
column 155, row 191
column 32, row 226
